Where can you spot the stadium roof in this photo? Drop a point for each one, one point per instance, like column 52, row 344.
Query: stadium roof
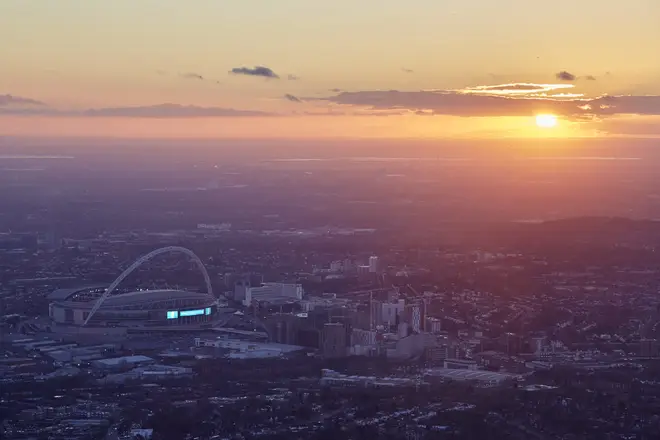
column 63, row 294
column 145, row 297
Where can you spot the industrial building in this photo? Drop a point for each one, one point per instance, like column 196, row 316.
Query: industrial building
column 148, row 372
column 122, row 362
column 336, row 379
column 239, row 349
column 488, row 378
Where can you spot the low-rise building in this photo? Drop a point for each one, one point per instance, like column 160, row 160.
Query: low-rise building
column 247, row 349
column 334, row 378
column 488, row 378
column 269, row 292
column 122, row 362
column 460, row 364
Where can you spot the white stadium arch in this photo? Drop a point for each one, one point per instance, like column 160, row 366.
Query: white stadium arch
column 143, row 259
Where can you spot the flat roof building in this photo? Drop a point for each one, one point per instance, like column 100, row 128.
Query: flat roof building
column 123, row 361
column 273, row 292
column 483, row 377
column 248, row 349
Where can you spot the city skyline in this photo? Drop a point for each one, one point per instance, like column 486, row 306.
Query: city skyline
column 357, row 219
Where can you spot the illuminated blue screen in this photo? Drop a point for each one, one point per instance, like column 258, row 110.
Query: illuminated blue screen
column 172, row 314
column 207, row 311
column 191, row 312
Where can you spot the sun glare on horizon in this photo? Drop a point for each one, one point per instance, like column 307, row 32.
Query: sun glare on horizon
column 546, row 121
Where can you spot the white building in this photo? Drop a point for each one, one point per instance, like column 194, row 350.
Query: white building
column 389, row 311
column 433, row 325
column 373, row 264
column 363, row 269
column 273, row 292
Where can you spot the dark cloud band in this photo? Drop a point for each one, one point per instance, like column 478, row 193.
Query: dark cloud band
column 152, row 111
column 264, row 72
column 457, row 103
column 7, row 100
column 565, row 76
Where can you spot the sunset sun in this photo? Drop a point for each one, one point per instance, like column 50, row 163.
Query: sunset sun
column 546, row 121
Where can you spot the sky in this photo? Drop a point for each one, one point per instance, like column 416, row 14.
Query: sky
column 345, row 68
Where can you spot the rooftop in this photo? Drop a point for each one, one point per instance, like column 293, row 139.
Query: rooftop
column 145, row 296
column 481, row 376
column 63, row 294
column 124, row 359
column 249, row 345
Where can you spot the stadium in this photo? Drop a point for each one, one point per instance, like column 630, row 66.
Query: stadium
column 110, row 310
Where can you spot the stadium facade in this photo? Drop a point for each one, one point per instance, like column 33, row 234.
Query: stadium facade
column 73, row 307
column 104, row 309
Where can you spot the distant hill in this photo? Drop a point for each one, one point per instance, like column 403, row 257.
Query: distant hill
column 610, row 223
column 600, row 231
column 597, row 230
